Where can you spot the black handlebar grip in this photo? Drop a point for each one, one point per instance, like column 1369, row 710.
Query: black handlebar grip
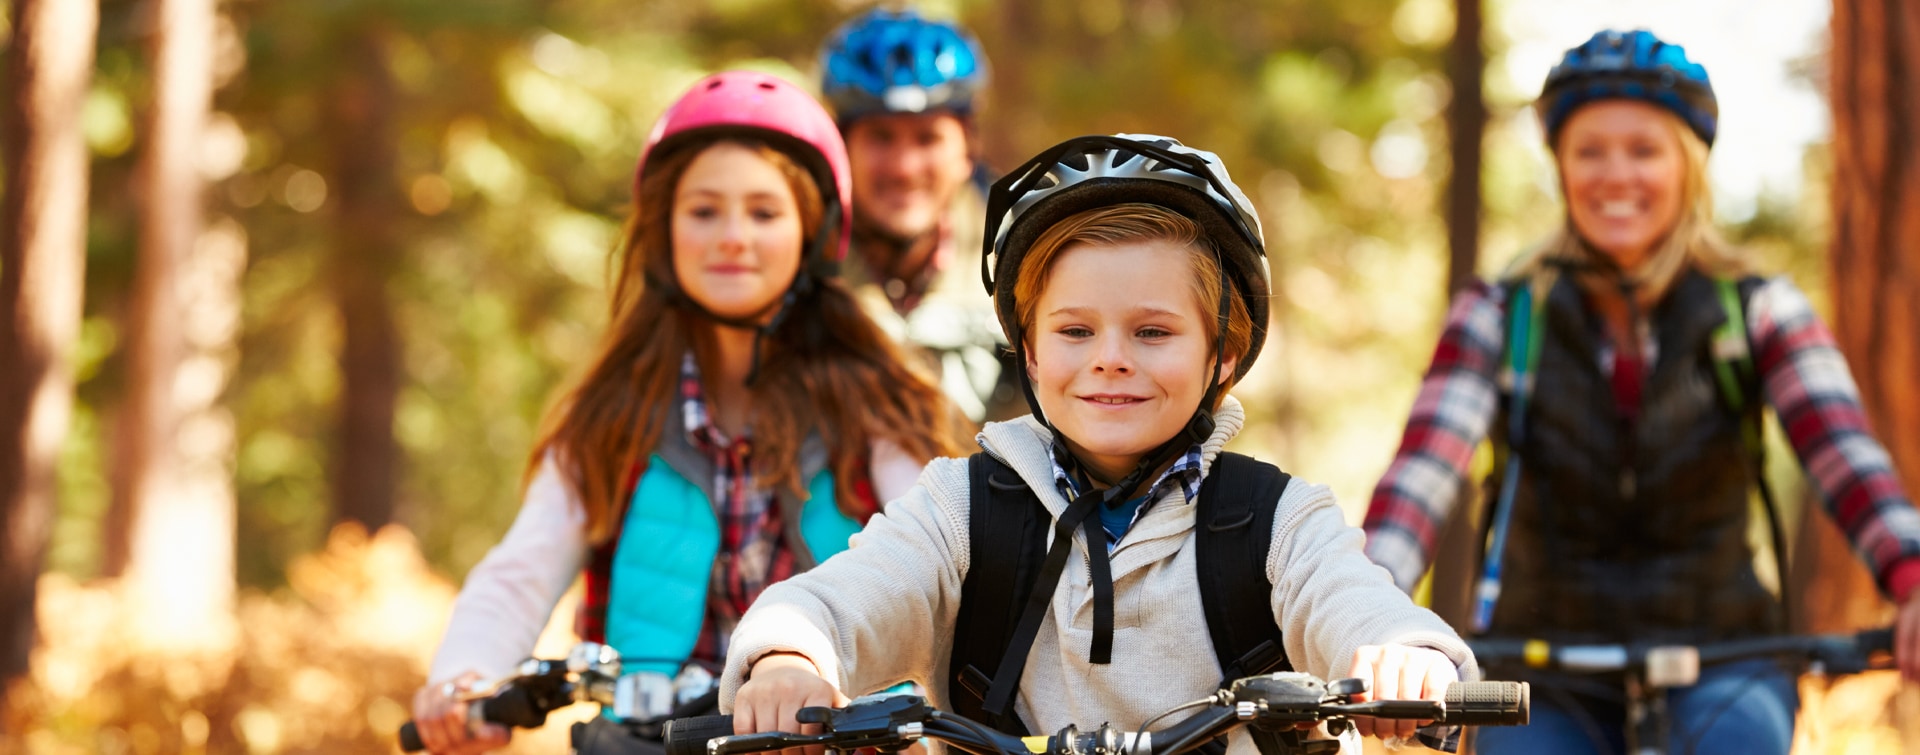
column 1489, row 703
column 513, row 706
column 410, row 738
column 688, row 736
column 1876, row 640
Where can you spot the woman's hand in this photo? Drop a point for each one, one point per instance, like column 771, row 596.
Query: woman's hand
column 440, row 715
column 1906, row 638
column 778, row 686
column 1400, row 672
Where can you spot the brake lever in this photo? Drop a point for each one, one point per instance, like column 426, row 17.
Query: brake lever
column 1439, row 737
column 766, row 741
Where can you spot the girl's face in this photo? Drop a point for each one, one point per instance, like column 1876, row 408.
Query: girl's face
column 1118, row 350
column 1624, row 173
column 737, row 232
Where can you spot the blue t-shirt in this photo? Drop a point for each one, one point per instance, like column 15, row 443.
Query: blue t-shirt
column 1117, row 518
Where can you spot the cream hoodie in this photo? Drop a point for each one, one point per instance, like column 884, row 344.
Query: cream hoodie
column 883, row 611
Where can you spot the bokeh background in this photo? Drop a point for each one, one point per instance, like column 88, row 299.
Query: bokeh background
column 339, row 253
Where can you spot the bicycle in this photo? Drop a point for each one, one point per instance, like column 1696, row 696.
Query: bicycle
column 639, row 703
column 1652, row 668
column 1272, row 704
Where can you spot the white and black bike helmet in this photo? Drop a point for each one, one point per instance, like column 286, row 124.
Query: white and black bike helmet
column 1087, row 172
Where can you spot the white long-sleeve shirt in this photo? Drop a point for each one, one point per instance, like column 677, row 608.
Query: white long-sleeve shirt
column 509, row 595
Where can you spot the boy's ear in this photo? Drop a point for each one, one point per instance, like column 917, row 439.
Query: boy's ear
column 1227, row 367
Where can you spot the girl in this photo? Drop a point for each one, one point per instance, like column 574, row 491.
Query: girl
column 1131, row 280
column 739, row 422
column 1629, row 508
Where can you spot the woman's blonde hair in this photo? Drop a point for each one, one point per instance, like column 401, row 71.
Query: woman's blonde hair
column 1130, row 223
column 1694, row 238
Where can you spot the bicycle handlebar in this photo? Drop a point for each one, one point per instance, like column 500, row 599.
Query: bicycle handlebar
column 539, row 687
column 1273, row 702
column 518, row 707
column 1832, row 653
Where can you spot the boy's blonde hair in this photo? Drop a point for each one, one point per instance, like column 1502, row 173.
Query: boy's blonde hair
column 1139, row 222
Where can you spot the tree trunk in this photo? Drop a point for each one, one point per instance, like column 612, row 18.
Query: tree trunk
column 365, row 150
column 1456, row 558
column 1014, row 25
column 1874, row 61
column 1466, row 123
column 49, row 63
column 1875, row 91
column 177, row 501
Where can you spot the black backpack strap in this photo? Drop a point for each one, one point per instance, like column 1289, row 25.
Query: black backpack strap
column 1007, row 533
column 1233, row 531
column 1006, row 542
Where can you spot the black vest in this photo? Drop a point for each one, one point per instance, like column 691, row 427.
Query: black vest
column 1632, row 531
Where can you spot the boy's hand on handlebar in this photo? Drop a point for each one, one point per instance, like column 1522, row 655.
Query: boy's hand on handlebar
column 1399, row 672
column 440, row 715
column 778, row 686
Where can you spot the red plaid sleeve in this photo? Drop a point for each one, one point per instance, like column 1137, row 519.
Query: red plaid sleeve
column 1812, row 392
column 1457, row 400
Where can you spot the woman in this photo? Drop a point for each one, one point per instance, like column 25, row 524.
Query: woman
column 1632, row 457
column 741, row 419
column 1132, row 282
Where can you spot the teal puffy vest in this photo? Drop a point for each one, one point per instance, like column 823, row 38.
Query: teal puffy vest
column 662, row 567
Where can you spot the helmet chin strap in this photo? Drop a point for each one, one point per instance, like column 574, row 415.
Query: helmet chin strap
column 805, row 281
column 1199, row 428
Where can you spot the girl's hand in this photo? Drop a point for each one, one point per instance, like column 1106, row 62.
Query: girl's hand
column 779, row 685
column 440, row 715
column 1399, row 672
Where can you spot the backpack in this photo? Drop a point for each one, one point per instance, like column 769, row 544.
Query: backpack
column 1007, row 538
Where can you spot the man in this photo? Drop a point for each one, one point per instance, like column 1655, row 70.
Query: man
column 903, row 88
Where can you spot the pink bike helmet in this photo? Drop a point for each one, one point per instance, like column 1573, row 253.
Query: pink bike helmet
column 764, row 106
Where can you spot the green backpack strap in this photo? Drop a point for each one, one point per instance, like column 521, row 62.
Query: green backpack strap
column 1732, row 355
column 1526, row 317
column 1733, row 368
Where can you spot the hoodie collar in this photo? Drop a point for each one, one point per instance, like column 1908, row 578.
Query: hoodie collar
column 1022, row 444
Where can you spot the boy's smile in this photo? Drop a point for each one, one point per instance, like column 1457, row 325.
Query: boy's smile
column 1119, row 351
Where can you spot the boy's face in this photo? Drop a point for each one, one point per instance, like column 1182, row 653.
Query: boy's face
column 1118, row 351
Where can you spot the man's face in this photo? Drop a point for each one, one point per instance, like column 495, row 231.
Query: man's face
column 906, row 168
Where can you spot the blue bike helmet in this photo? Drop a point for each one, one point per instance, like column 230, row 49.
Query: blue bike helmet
column 898, row 62
column 1631, row 65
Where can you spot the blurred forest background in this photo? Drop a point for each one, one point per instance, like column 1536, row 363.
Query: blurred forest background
column 338, row 253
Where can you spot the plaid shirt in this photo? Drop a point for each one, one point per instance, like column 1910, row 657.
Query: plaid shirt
column 1185, row 472
column 752, row 553
column 1803, row 375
